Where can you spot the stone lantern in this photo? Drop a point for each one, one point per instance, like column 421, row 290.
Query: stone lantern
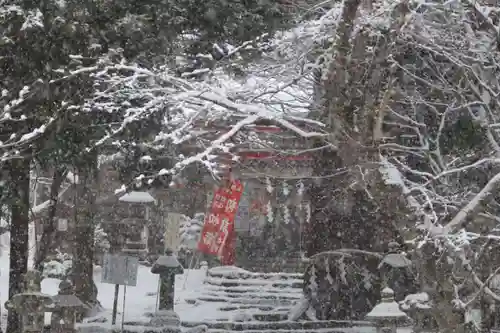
column 386, row 315
column 396, row 270
column 66, row 306
column 31, row 304
column 167, row 266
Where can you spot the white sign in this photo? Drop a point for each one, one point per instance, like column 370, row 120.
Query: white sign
column 120, row 269
column 62, row 225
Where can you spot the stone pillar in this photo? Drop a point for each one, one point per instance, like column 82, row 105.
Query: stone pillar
column 167, row 290
column 165, row 319
column 167, row 266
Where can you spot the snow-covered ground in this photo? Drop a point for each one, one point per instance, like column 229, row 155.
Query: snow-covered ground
column 141, row 300
column 138, row 301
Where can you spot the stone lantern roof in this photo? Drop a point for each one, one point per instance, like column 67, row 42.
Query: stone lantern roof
column 137, row 198
column 387, row 310
column 66, row 299
column 395, row 260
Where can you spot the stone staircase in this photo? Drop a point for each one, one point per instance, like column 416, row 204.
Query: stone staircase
column 243, row 301
column 242, row 296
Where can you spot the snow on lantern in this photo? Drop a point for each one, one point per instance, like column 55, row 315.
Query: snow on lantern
column 386, row 315
column 31, row 304
column 66, row 306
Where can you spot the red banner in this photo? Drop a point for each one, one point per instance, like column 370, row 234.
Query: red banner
column 228, row 255
column 218, row 235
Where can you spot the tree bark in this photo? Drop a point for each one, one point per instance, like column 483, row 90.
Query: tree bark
column 487, row 316
column 321, row 232
column 83, row 234
column 19, row 241
column 355, row 209
column 49, row 225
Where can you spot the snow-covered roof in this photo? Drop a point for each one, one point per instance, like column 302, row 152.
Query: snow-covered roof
column 385, row 310
column 72, row 178
column 396, row 260
column 419, row 301
column 391, row 174
column 137, row 197
column 388, row 308
column 167, row 261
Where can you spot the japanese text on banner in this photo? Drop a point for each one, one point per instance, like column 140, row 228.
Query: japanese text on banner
column 219, row 223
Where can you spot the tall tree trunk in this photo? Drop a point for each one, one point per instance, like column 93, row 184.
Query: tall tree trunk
column 487, row 316
column 19, row 240
column 323, row 233
column 355, row 209
column 83, row 233
column 49, row 224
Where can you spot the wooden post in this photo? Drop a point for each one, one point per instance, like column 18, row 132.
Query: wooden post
column 115, row 304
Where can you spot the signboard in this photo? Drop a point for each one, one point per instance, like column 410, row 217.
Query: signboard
column 172, row 224
column 218, row 231
column 62, row 225
column 120, row 269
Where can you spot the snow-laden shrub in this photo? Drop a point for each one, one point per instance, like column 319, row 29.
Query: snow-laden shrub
column 190, row 231
column 101, row 242
column 57, row 267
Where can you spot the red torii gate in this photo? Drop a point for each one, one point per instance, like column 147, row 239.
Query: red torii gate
column 269, row 141
column 266, row 150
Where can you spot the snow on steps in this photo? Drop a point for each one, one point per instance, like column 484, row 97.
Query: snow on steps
column 247, row 302
column 129, row 329
column 236, row 273
column 244, row 295
column 292, row 326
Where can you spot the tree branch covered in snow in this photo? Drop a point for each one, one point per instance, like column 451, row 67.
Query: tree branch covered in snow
column 441, row 136
column 179, row 108
column 439, row 141
column 411, row 88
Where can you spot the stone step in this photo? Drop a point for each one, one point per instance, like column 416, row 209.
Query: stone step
column 130, row 329
column 256, row 295
column 253, row 289
column 278, row 325
column 270, row 317
column 259, row 316
column 279, row 284
column 232, row 300
column 319, row 330
column 260, row 276
column 240, row 307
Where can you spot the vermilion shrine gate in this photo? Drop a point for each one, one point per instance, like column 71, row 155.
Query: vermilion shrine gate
column 274, row 159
